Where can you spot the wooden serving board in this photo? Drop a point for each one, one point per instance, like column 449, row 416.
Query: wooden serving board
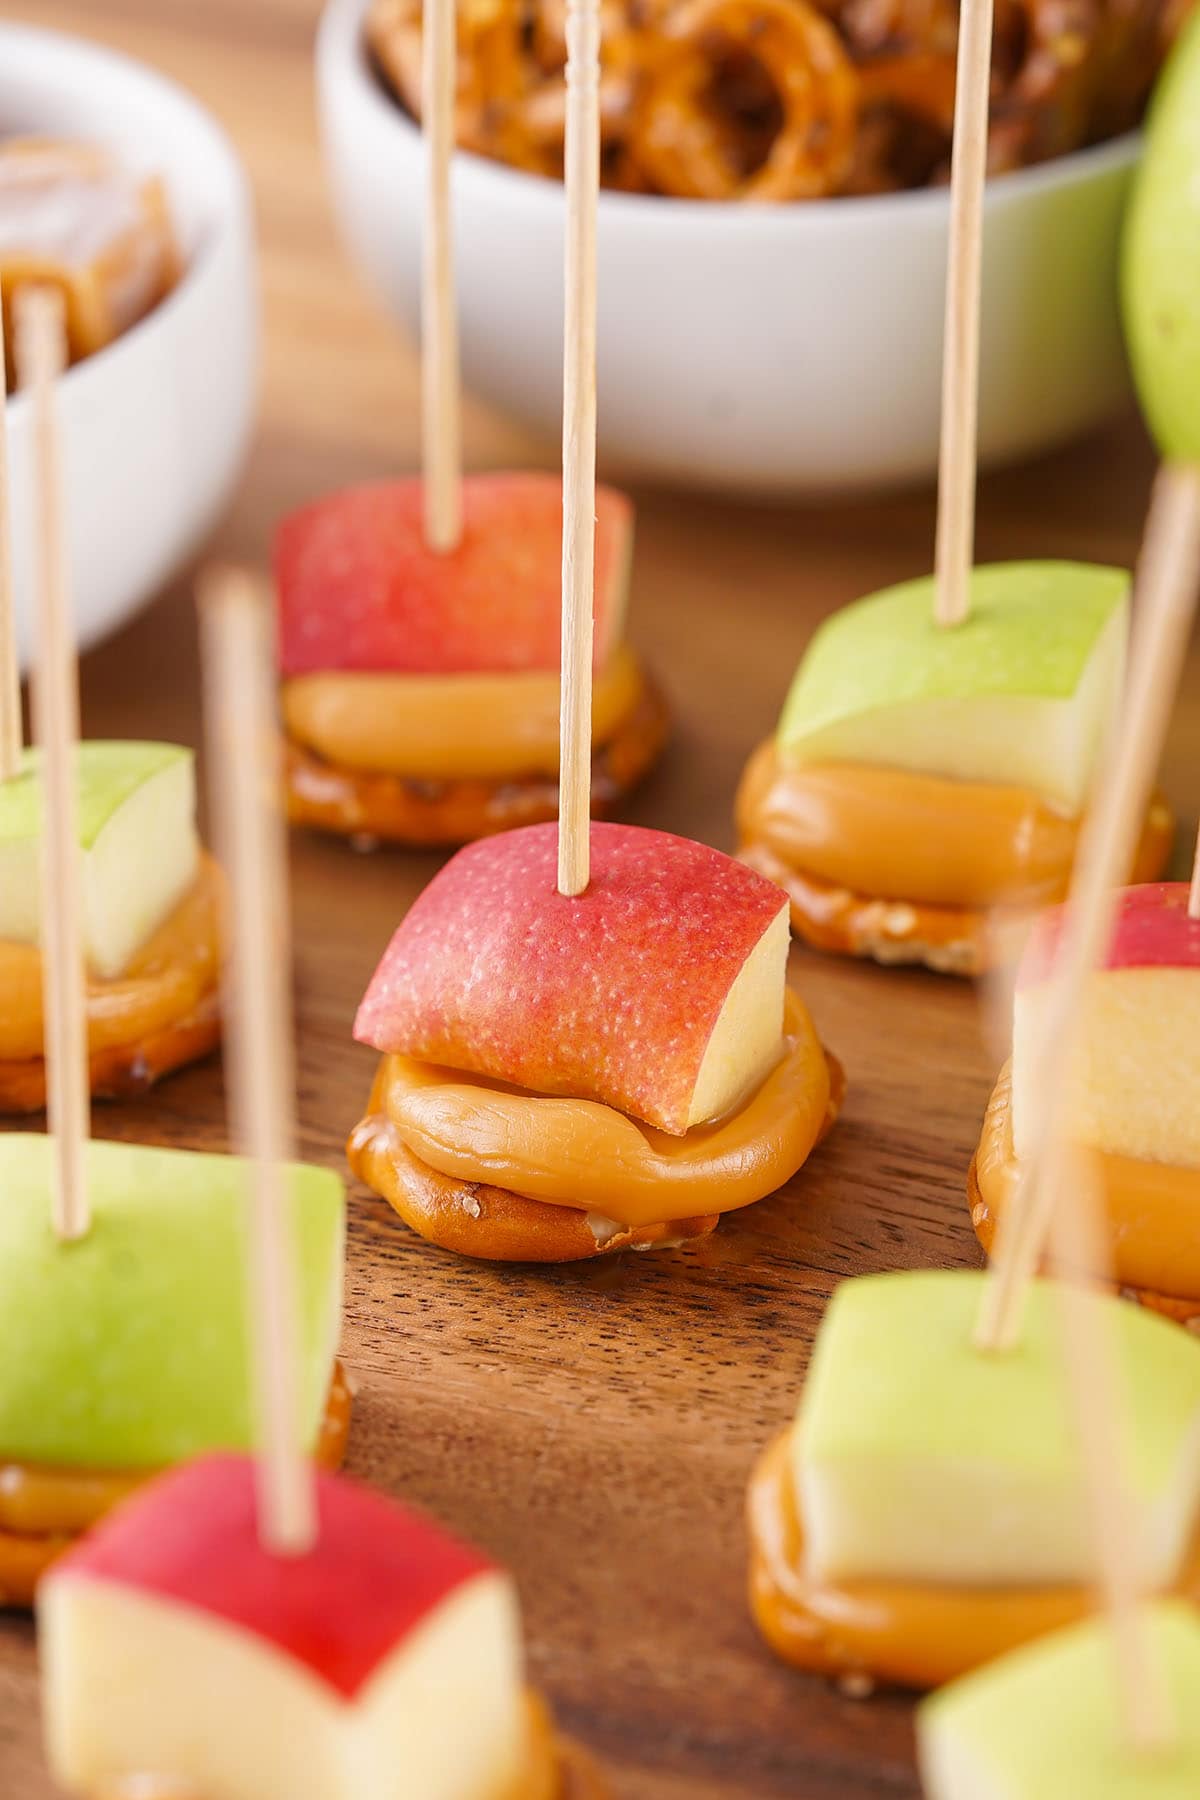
column 592, row 1427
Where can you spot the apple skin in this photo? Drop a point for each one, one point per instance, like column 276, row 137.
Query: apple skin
column 358, row 588
column 376, row 1572
column 1160, row 264
column 917, row 1457
column 1152, row 930
column 129, row 1349
column 1019, row 695
column 137, row 831
column 108, row 773
column 612, row 996
column 1133, row 1087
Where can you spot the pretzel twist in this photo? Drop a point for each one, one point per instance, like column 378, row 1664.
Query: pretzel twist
column 783, row 100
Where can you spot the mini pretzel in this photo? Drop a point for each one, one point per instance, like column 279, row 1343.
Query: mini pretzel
column 497, row 74
column 689, row 145
column 786, row 99
column 536, row 121
column 1046, row 107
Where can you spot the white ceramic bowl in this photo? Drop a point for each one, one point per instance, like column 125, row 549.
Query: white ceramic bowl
column 155, row 427
column 766, row 349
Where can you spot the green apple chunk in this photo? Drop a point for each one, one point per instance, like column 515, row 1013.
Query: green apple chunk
column 1044, row 1723
column 137, row 833
column 1021, row 694
column 919, row 1458
column 130, row 1349
column 1160, row 274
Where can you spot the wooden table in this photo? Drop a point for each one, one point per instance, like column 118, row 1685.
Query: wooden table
column 592, row 1427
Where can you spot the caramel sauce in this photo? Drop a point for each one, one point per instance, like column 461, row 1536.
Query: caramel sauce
column 917, row 1635
column 1153, row 1209
column 481, row 1220
column 542, row 1777
column 123, row 1071
column 177, row 966
column 443, row 727
column 378, row 807
column 43, row 1509
column 590, row 1157
column 891, row 834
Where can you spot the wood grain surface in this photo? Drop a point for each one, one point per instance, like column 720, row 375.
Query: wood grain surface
column 591, row 1427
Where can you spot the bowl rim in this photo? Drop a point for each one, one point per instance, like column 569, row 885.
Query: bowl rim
column 341, row 56
column 224, row 215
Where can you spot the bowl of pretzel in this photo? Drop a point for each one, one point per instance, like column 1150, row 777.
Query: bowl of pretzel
column 773, row 223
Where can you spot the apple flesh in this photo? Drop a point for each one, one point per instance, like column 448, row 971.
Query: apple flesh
column 137, row 833
column 1046, row 1721
column 1021, row 694
column 130, row 1349
column 359, row 588
column 1134, row 1090
column 659, row 991
column 1161, row 257
column 918, row 1458
column 387, row 1662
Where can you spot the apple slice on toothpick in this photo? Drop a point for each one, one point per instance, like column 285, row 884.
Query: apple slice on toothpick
column 962, row 1470
column 1132, row 1091
column 139, row 851
column 131, row 1351
column 1045, row 1721
column 592, row 996
column 360, row 589
column 662, row 997
column 386, row 1662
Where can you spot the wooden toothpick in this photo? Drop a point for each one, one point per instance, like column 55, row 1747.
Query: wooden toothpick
column 1101, row 1409
column 579, row 445
column 41, row 355
column 238, row 705
column 10, row 679
column 441, row 403
column 1166, row 592
column 955, row 550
